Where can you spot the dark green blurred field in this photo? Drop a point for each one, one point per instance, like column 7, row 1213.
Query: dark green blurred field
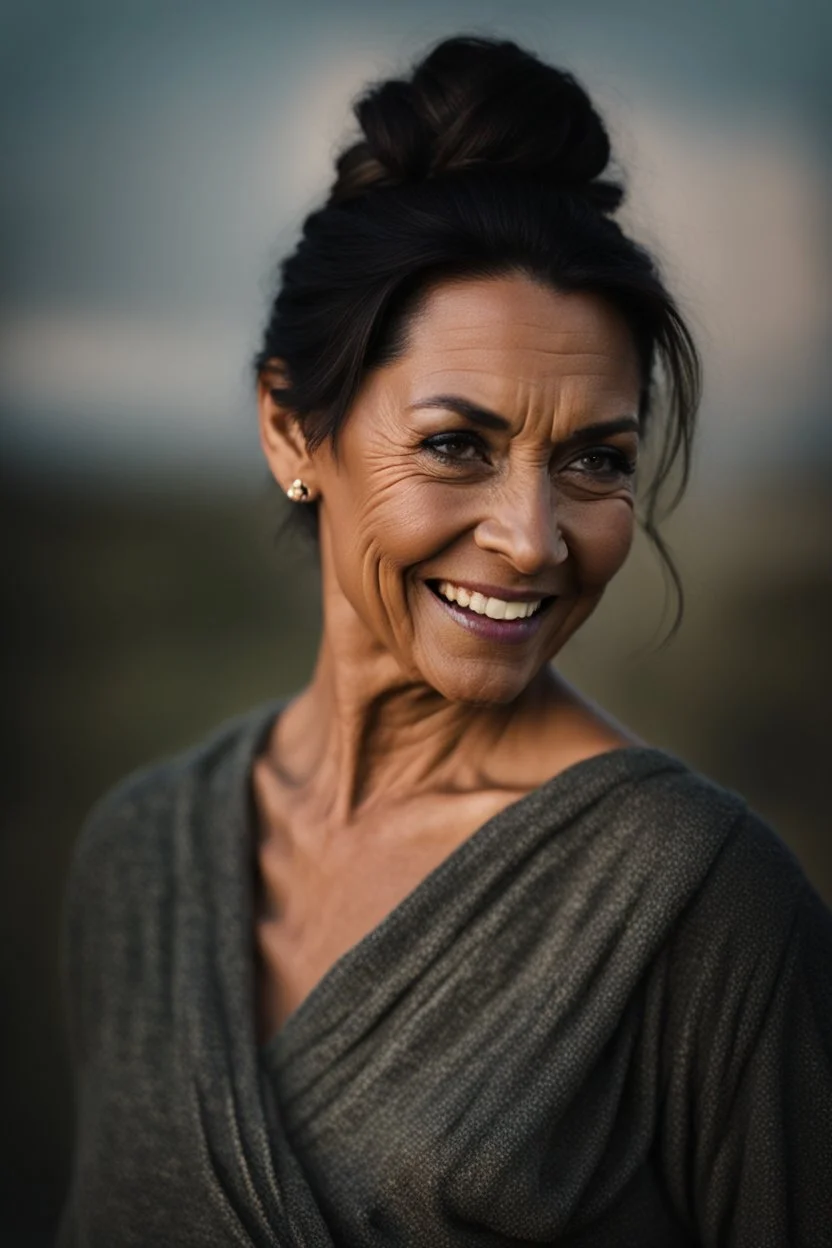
column 136, row 622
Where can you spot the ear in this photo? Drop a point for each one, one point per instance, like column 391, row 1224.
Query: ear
column 281, row 436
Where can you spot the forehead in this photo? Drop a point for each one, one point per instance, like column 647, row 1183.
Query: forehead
column 503, row 333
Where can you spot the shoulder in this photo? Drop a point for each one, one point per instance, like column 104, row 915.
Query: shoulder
column 744, row 1044
column 755, row 924
column 129, row 829
column 656, row 798
column 755, row 877
column 126, row 872
column 649, row 790
column 746, row 887
column 748, row 913
column 757, row 885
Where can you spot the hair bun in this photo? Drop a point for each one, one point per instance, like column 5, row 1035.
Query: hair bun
column 476, row 103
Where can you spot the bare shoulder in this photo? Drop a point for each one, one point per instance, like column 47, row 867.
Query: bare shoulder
column 558, row 727
column 578, row 728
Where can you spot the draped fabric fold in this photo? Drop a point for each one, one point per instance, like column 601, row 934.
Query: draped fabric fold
column 177, row 1141
column 529, row 1049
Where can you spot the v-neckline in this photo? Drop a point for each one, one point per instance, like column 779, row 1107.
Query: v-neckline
column 283, row 1038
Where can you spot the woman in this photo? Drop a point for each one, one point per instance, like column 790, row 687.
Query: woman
column 438, row 953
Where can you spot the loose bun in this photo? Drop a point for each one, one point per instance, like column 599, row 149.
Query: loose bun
column 479, row 104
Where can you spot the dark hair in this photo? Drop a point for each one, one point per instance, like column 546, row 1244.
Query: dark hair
column 484, row 161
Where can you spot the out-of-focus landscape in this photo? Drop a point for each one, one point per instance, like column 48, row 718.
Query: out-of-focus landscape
column 159, row 162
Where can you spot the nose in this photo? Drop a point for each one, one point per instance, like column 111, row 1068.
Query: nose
column 521, row 523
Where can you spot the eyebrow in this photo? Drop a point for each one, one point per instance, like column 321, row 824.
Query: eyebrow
column 487, row 419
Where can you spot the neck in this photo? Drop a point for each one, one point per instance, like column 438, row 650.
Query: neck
column 365, row 731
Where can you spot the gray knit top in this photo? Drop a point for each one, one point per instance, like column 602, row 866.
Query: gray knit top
column 605, row 1021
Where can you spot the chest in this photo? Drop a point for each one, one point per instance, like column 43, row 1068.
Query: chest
column 464, row 1103
column 318, row 897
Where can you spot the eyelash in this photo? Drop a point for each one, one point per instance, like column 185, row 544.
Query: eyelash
column 617, row 461
column 436, row 444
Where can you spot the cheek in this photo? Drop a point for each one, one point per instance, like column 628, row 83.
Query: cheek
column 380, row 502
column 599, row 535
column 382, row 520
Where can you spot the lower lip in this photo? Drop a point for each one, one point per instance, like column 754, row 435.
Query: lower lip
column 512, row 631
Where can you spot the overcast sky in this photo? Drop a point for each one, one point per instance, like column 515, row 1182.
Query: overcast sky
column 159, row 157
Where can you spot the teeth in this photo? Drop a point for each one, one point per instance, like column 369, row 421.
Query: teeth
column 494, row 608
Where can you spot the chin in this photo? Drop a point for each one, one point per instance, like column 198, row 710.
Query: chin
column 493, row 663
column 480, row 684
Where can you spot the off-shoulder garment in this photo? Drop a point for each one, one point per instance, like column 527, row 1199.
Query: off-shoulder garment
column 605, row 1021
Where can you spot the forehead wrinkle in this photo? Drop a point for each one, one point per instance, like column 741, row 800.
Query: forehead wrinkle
column 503, row 348
column 505, row 377
column 553, row 392
column 531, row 365
column 457, row 335
column 576, row 332
column 503, row 328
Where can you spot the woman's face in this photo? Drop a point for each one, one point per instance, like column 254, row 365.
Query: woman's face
column 481, row 497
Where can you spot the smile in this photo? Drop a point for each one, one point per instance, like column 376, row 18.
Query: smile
column 488, row 616
column 494, row 608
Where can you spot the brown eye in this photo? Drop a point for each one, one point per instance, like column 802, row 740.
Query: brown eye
column 458, row 446
column 605, row 463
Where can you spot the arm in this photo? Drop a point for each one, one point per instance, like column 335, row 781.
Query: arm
column 747, row 1129
column 107, row 881
column 83, row 944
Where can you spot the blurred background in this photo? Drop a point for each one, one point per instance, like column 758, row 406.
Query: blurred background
column 159, row 158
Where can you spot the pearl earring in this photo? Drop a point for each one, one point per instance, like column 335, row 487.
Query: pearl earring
column 299, row 491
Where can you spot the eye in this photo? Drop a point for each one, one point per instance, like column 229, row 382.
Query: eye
column 457, row 446
column 604, row 463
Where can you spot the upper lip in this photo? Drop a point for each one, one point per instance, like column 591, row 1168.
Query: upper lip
column 496, row 591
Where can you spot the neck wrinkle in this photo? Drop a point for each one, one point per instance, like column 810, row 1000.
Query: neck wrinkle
column 373, row 740
column 365, row 730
